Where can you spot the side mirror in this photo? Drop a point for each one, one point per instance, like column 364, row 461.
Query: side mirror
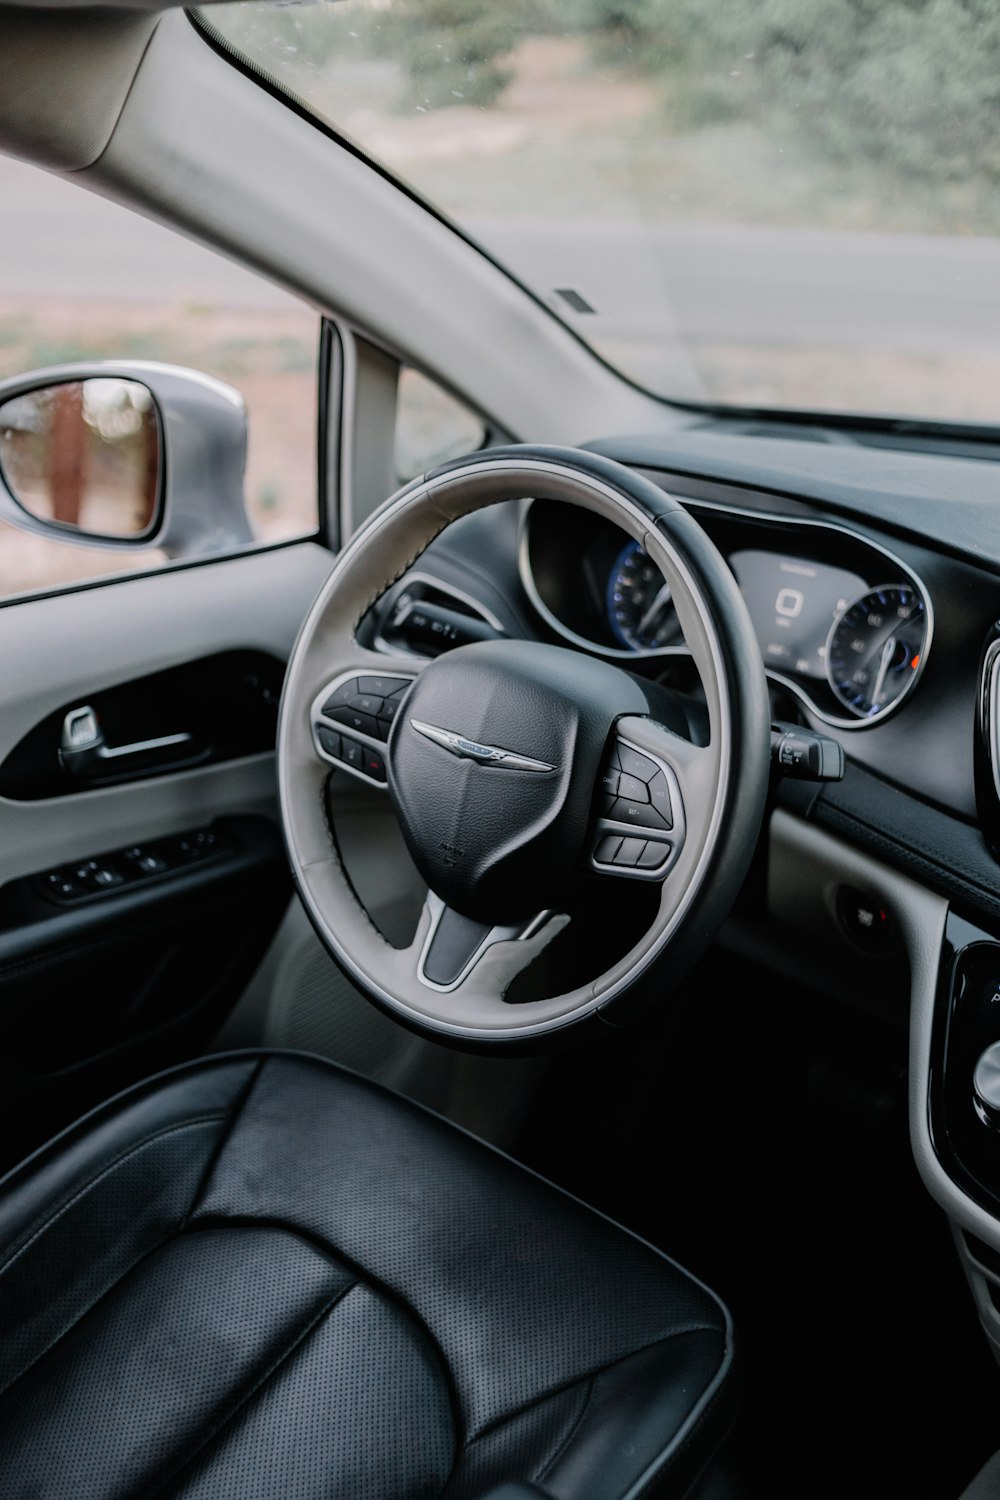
column 126, row 454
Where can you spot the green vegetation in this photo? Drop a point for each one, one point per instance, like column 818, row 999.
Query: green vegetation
column 453, row 49
column 914, row 84
column 868, row 113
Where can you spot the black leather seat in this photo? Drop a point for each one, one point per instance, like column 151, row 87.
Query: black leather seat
column 260, row 1276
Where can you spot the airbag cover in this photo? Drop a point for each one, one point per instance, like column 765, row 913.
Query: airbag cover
column 493, row 839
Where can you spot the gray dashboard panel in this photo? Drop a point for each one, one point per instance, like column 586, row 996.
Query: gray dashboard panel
column 908, row 493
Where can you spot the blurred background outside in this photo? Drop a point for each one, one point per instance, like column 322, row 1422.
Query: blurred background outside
column 786, row 203
column 767, row 203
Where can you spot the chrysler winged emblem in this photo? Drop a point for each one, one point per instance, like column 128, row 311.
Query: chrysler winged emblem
column 486, row 755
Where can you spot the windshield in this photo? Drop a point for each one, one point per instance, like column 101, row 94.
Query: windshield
column 764, row 203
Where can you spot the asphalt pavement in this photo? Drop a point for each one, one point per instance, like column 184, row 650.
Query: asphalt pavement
column 689, row 285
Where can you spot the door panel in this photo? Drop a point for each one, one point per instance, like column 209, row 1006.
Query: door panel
column 117, row 982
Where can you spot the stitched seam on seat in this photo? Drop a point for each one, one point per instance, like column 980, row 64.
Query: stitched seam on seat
column 366, row 1278
column 568, row 1385
column 670, row 1451
column 244, row 1401
column 83, row 1312
column 235, row 1112
column 322, row 1064
column 105, row 1172
column 554, row 1457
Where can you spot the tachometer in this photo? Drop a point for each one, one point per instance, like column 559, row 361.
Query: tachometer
column 640, row 611
column 876, row 647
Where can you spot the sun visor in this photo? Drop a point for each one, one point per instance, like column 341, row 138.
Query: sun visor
column 64, row 77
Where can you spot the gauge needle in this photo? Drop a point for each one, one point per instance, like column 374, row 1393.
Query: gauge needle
column 887, row 654
column 662, row 598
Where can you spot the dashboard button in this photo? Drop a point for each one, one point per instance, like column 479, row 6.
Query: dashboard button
column 145, row 861
column 635, row 764
column 382, row 687
column 866, row 920
column 608, row 848
column 353, row 718
column 366, row 703
column 653, row 855
column 629, row 851
column 389, row 709
column 373, row 764
column 639, row 813
column 343, row 695
column 329, row 739
column 659, row 796
column 350, row 752
column 610, row 780
column 986, row 1083
column 632, row 789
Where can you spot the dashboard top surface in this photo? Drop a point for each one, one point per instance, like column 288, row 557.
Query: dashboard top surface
column 954, row 503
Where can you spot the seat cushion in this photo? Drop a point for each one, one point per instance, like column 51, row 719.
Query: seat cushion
column 262, row 1276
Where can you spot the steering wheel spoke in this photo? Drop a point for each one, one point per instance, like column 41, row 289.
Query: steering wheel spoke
column 456, row 953
column 654, row 785
column 353, row 714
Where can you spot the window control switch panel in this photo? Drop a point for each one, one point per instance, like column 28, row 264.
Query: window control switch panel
column 103, row 873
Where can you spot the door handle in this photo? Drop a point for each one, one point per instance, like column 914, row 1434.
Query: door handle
column 84, row 750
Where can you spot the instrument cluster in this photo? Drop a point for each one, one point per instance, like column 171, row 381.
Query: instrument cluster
column 842, row 623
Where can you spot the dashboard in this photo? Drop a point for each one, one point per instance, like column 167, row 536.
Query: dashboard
column 843, row 624
column 872, row 580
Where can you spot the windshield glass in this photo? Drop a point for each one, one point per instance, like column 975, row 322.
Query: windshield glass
column 765, row 203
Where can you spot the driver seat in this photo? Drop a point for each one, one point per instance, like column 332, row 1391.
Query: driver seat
column 262, row 1276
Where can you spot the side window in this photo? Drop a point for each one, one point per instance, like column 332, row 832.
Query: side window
column 431, row 425
column 87, row 279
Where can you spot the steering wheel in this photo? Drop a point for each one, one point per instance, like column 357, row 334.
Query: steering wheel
column 516, row 768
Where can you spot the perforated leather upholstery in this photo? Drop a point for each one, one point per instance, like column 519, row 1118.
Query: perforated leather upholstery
column 260, row 1276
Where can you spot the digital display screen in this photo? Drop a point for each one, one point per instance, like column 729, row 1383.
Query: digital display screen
column 793, row 603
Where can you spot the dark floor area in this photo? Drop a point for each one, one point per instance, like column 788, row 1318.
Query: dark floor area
column 758, row 1134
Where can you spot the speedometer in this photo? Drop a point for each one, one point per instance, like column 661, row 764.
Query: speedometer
column 640, row 611
column 876, row 647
